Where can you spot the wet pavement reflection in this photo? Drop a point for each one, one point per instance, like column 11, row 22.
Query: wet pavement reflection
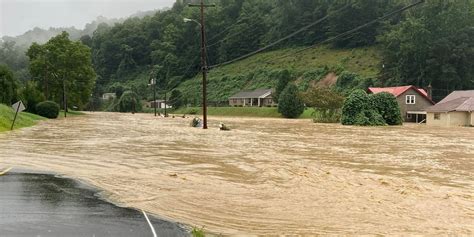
column 45, row 205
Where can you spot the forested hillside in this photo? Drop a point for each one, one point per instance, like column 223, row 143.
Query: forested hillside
column 357, row 44
column 426, row 44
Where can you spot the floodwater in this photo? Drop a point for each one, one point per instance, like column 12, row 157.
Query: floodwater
column 45, row 205
column 266, row 176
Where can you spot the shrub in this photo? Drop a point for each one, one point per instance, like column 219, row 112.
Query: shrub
column 354, row 104
column 31, row 96
column 290, row 104
column 359, row 110
column 327, row 104
column 387, row 106
column 48, row 109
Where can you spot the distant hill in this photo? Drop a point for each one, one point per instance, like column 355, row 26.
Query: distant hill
column 320, row 66
column 42, row 36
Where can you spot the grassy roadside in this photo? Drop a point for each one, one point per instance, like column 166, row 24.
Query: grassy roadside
column 265, row 112
column 70, row 113
column 23, row 120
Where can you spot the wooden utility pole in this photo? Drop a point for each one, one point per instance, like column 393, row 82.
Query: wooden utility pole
column 203, row 61
column 64, row 97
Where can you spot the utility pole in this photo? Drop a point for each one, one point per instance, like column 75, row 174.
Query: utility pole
column 153, row 83
column 203, row 61
column 64, row 96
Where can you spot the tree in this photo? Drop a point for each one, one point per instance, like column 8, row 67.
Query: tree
column 354, row 14
column 176, row 99
column 8, row 86
column 283, row 78
column 387, row 106
column 129, row 102
column 326, row 102
column 60, row 61
column 290, row 104
column 31, row 96
column 432, row 46
column 359, row 110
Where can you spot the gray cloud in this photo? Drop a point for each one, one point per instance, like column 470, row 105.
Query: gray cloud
column 19, row 16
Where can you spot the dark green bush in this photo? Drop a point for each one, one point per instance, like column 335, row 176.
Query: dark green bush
column 31, row 96
column 48, row 109
column 359, row 110
column 290, row 104
column 8, row 86
column 387, row 106
column 283, row 78
column 353, row 105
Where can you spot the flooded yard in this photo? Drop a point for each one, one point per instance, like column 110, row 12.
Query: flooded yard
column 266, row 176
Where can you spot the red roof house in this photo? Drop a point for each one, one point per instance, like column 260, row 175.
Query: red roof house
column 412, row 101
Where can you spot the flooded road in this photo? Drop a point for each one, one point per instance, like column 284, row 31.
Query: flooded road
column 266, row 176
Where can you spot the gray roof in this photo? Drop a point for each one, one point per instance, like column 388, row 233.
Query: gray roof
column 457, row 95
column 455, row 102
column 252, row 94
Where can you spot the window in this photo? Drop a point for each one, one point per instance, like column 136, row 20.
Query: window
column 437, row 116
column 410, row 99
column 409, row 116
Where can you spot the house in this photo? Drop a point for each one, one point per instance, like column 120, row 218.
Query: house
column 160, row 104
column 109, row 96
column 256, row 98
column 412, row 101
column 457, row 109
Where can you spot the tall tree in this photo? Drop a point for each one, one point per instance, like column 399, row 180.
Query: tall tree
column 8, row 86
column 60, row 61
column 432, row 46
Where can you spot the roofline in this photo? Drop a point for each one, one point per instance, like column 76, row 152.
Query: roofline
column 409, row 87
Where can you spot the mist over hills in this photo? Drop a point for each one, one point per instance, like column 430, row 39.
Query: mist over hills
column 41, row 36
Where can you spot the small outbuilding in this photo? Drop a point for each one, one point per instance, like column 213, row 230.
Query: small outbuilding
column 457, row 109
column 413, row 101
column 256, row 98
column 109, row 96
column 159, row 104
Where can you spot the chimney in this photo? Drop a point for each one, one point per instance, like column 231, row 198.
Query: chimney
column 430, row 91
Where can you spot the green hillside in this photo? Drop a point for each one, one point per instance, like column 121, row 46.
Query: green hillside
column 307, row 68
column 23, row 120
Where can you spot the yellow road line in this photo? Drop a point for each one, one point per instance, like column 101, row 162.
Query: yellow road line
column 5, row 171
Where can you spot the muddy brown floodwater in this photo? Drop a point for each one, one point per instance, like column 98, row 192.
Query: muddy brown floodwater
column 266, row 176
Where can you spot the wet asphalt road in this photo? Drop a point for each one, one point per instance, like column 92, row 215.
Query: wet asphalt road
column 43, row 205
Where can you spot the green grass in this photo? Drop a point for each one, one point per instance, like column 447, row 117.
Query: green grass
column 259, row 71
column 23, row 120
column 264, row 112
column 70, row 113
column 198, row 232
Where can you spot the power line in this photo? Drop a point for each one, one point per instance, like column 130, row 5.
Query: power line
column 234, row 34
column 353, row 30
column 278, row 41
column 225, row 30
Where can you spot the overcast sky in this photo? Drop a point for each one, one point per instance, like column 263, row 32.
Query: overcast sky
column 19, row 16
